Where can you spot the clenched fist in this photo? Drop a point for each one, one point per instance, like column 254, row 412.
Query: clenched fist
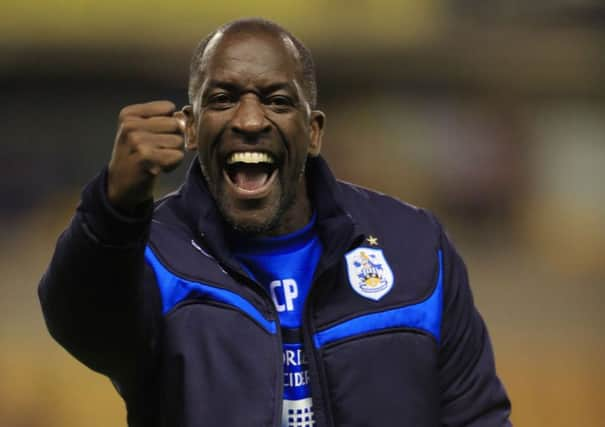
column 149, row 140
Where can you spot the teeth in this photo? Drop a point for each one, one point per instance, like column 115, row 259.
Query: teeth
column 249, row 157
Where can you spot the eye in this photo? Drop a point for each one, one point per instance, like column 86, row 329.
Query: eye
column 220, row 101
column 280, row 102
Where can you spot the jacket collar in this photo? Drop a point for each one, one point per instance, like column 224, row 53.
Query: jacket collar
column 335, row 225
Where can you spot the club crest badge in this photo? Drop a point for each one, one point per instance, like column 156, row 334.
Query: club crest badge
column 369, row 273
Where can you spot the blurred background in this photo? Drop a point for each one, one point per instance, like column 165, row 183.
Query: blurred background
column 491, row 113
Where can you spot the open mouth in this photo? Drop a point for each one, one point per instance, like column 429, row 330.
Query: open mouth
column 250, row 173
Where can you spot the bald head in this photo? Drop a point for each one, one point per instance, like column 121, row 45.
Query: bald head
column 252, row 26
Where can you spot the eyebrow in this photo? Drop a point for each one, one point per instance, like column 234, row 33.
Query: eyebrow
column 234, row 87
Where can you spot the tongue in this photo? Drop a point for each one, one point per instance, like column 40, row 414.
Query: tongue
column 250, row 178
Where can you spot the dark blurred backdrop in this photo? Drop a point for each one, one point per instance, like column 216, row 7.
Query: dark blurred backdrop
column 490, row 113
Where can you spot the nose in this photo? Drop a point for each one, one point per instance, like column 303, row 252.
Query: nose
column 250, row 119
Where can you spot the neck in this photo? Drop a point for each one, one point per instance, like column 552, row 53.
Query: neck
column 296, row 216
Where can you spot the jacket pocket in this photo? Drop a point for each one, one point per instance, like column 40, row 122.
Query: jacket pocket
column 382, row 379
column 219, row 368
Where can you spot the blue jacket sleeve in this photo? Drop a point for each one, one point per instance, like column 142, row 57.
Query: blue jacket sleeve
column 92, row 293
column 472, row 394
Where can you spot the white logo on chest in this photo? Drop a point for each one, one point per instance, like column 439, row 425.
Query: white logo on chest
column 369, row 273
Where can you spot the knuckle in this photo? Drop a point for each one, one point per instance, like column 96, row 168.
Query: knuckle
column 179, row 155
column 161, row 123
column 169, row 105
column 144, row 151
column 177, row 140
column 150, row 166
column 124, row 112
column 179, row 122
column 172, row 161
column 137, row 139
column 126, row 127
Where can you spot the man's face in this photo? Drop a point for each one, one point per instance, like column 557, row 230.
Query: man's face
column 253, row 130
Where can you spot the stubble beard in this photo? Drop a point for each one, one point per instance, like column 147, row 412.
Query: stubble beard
column 285, row 203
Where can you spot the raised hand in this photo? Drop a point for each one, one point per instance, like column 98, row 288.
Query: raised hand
column 149, row 141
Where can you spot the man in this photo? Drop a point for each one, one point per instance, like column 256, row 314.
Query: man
column 263, row 292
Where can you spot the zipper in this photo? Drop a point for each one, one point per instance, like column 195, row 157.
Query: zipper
column 319, row 393
column 280, row 370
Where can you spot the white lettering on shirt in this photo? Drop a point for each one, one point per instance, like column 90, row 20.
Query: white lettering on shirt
column 289, row 289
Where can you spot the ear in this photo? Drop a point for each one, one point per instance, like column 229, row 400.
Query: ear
column 190, row 131
column 318, row 121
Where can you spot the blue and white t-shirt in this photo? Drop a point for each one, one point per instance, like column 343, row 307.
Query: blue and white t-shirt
column 285, row 266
